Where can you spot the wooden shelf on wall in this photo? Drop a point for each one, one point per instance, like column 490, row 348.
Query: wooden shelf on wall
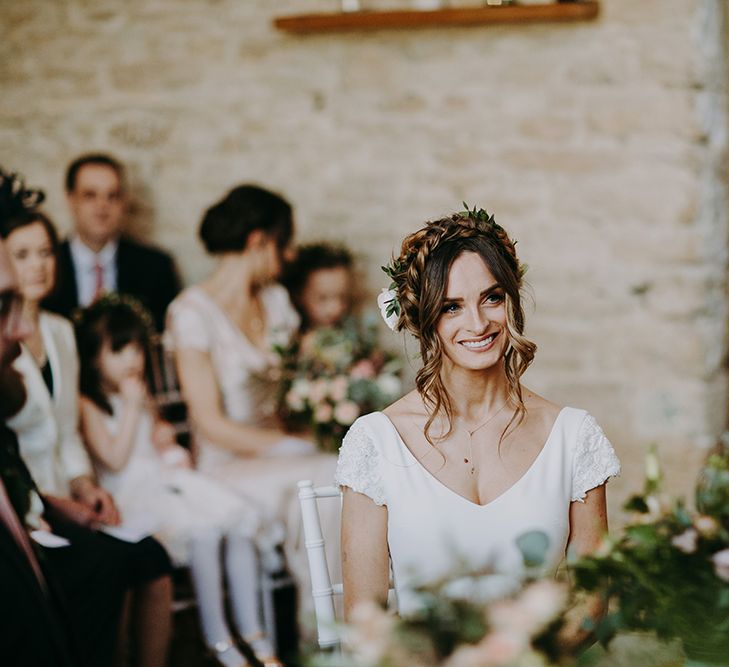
column 465, row 16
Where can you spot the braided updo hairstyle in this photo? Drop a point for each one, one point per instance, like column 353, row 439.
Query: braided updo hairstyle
column 420, row 276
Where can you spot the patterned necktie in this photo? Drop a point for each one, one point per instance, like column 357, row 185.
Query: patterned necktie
column 98, row 281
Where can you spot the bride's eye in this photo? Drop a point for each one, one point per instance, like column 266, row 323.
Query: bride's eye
column 450, row 308
column 494, row 298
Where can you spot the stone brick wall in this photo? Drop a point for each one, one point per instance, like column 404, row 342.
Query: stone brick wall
column 600, row 146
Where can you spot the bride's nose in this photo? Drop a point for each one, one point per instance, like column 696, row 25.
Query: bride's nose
column 478, row 320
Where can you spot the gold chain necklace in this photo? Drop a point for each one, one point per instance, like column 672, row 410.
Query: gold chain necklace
column 469, row 459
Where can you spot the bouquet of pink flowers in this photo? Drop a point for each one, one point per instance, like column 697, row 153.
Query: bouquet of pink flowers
column 331, row 376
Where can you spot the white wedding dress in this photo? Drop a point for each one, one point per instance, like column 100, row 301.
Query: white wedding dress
column 433, row 532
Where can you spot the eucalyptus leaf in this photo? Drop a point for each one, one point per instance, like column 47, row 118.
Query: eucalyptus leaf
column 533, row 546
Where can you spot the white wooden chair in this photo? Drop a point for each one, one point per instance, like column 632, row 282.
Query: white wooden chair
column 322, row 588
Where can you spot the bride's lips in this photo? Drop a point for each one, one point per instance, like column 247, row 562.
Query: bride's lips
column 481, row 344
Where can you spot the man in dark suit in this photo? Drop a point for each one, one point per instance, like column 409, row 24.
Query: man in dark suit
column 98, row 257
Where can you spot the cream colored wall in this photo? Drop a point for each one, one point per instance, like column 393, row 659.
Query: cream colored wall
column 600, row 146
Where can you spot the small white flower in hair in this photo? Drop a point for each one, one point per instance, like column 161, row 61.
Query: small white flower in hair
column 389, row 307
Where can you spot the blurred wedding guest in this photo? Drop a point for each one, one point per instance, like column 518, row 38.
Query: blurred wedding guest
column 49, row 444
column 98, row 257
column 223, row 332
column 320, row 283
column 34, row 629
column 150, row 475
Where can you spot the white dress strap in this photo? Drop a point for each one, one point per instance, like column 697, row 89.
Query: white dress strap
column 594, row 459
column 359, row 467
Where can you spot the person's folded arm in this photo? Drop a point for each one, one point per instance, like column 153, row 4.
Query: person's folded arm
column 202, row 396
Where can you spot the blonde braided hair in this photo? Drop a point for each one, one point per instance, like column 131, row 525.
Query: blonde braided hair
column 420, row 276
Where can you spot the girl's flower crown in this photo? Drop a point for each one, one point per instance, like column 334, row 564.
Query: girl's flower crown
column 116, row 299
column 388, row 300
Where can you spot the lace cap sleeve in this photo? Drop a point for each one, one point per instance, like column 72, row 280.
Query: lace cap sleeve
column 358, row 466
column 595, row 459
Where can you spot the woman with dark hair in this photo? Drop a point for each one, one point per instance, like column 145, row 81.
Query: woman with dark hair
column 223, row 332
column 47, row 431
column 459, row 468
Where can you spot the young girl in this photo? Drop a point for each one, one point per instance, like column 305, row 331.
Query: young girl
column 150, row 476
column 320, row 281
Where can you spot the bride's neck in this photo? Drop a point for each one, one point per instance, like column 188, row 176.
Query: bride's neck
column 475, row 393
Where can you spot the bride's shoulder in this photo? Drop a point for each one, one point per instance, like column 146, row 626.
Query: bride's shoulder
column 540, row 408
column 408, row 407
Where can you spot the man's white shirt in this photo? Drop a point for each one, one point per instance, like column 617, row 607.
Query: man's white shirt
column 85, row 261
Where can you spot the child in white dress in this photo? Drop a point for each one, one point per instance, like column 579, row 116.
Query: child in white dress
column 152, row 481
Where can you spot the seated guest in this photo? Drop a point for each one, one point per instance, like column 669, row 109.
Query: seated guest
column 98, row 257
column 334, row 349
column 46, row 427
column 33, row 627
column 223, row 333
column 138, row 460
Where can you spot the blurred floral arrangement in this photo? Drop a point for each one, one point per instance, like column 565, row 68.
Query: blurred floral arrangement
column 331, row 376
column 669, row 572
column 453, row 629
column 667, row 575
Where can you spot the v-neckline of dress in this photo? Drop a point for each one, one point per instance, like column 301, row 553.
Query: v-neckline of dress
column 463, row 498
column 232, row 325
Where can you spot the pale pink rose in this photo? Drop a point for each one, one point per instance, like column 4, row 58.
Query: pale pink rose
column 509, row 616
column 346, row 412
column 323, row 413
column 338, row 388
column 721, row 564
column 706, row 525
column 686, row 541
column 494, row 650
column 368, row 633
column 364, row 369
column 543, row 600
column 294, row 400
column 318, row 390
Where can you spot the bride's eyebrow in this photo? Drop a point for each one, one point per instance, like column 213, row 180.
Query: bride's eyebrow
column 485, row 293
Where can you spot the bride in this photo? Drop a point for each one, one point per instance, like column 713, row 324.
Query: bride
column 455, row 471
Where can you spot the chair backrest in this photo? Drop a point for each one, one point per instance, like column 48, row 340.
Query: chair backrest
column 322, row 588
column 165, row 387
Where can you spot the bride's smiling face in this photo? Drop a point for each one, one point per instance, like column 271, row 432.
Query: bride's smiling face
column 472, row 324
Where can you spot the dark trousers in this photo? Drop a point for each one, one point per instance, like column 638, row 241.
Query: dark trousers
column 94, row 573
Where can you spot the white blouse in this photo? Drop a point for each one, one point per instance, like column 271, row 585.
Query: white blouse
column 434, row 532
column 47, row 426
